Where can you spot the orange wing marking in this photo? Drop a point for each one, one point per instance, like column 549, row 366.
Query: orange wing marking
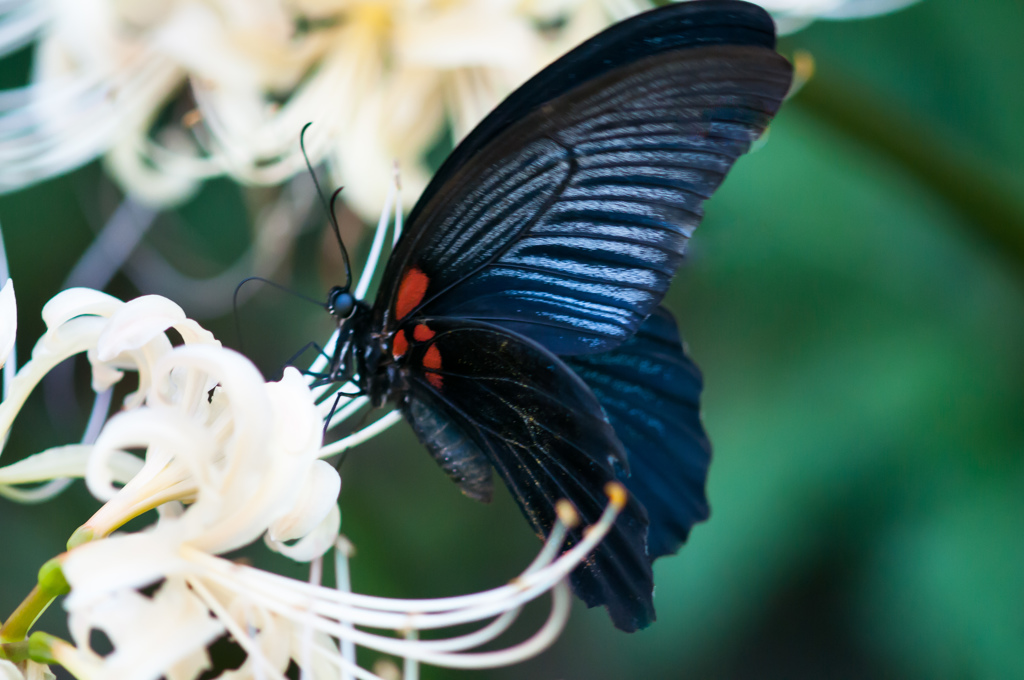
column 422, row 333
column 399, row 345
column 432, row 362
column 410, row 292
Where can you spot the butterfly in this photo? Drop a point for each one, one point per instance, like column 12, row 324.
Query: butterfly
column 517, row 325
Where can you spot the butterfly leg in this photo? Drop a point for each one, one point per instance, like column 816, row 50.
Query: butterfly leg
column 306, row 348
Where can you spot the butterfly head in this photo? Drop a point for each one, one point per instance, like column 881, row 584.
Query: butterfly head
column 340, row 303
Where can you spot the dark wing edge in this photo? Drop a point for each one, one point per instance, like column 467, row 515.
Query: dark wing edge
column 678, row 26
column 544, row 432
column 650, row 390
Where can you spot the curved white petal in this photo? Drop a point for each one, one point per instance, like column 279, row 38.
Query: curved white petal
column 8, row 321
column 270, row 636
column 68, row 339
column 298, row 426
column 853, row 9
column 137, row 322
column 318, row 497
column 66, row 461
column 123, row 561
column 73, row 302
column 315, row 541
column 154, row 430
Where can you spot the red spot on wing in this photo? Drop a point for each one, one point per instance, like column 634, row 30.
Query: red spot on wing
column 432, row 358
column 399, row 345
column 422, row 333
column 410, row 292
column 432, row 362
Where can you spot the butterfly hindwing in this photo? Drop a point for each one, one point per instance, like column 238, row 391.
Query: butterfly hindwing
column 567, row 225
column 518, row 406
column 650, row 390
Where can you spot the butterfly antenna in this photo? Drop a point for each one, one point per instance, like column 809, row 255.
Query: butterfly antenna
column 238, row 289
column 344, row 251
column 328, row 207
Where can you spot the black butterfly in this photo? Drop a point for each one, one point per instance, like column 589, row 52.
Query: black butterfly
column 517, row 324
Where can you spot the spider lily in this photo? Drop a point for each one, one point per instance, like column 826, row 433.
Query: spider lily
column 278, row 620
column 228, row 459
column 380, row 78
column 241, row 80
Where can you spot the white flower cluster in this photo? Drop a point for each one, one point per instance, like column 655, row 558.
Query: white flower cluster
column 228, row 458
column 378, row 78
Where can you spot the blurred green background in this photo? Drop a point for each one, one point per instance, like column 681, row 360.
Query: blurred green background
column 855, row 298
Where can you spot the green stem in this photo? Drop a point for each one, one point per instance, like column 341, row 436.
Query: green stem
column 16, row 628
column 51, row 584
column 980, row 189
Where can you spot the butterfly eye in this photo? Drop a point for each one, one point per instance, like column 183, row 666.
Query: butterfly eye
column 340, row 303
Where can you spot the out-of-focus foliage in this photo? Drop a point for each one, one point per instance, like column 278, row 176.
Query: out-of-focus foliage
column 855, row 298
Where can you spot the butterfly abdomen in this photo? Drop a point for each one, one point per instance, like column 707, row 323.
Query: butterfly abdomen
column 453, row 450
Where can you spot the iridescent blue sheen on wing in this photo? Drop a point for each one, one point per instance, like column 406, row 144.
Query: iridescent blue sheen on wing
column 568, row 224
column 601, row 208
column 569, row 227
column 651, row 390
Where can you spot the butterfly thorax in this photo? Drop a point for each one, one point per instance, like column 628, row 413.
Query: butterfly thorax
column 369, row 353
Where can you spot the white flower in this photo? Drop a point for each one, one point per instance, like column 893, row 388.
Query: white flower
column 377, row 77
column 792, row 15
column 229, row 458
column 246, row 455
column 278, row 620
column 176, row 91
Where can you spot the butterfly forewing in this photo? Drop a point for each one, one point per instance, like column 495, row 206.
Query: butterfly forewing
column 568, row 226
column 580, row 275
